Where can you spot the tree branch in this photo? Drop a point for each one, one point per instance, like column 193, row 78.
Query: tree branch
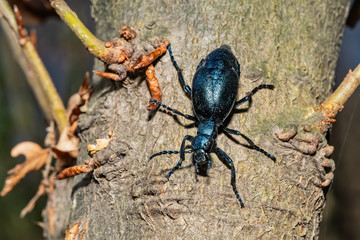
column 34, row 69
column 337, row 99
column 94, row 45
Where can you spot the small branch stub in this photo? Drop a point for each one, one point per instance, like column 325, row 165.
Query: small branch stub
column 335, row 102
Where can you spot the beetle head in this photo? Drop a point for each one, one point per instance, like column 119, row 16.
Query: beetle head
column 202, row 145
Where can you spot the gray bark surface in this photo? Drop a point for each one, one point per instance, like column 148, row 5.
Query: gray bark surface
column 291, row 44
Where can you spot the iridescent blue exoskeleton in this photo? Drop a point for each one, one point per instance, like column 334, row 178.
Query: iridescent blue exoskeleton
column 213, row 94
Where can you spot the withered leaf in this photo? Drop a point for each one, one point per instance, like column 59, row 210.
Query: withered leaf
column 74, row 170
column 36, row 157
column 67, row 146
column 101, row 143
column 76, row 101
column 154, row 87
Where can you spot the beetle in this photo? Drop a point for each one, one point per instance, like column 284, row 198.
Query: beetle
column 213, row 94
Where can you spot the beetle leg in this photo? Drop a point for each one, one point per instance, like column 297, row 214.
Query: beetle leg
column 186, row 88
column 251, row 143
column 182, row 155
column 174, row 110
column 249, row 95
column 222, row 155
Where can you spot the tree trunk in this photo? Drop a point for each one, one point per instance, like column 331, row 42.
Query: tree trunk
column 291, row 44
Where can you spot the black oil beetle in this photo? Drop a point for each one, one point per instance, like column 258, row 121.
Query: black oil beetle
column 213, row 94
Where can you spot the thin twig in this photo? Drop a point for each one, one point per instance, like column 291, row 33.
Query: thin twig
column 95, row 46
column 54, row 100
column 34, row 69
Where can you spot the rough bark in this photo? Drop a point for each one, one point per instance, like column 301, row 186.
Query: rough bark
column 291, row 44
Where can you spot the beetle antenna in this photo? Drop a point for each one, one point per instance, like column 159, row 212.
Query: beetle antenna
column 169, row 152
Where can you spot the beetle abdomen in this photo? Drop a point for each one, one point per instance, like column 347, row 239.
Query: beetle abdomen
column 215, row 85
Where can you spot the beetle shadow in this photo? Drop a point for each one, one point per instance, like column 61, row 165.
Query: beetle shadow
column 203, row 170
column 85, row 181
column 190, row 125
column 112, row 85
column 137, row 77
column 107, row 84
column 152, row 114
column 243, row 109
column 175, row 117
column 233, row 113
column 167, row 170
column 225, row 163
column 232, row 138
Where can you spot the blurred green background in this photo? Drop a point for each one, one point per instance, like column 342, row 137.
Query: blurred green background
column 67, row 61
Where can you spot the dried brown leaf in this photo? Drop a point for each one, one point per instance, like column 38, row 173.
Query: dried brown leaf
column 76, row 101
column 87, row 166
column 101, row 143
column 36, row 157
column 67, row 146
column 154, row 87
column 74, row 170
column 146, row 60
column 113, row 76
